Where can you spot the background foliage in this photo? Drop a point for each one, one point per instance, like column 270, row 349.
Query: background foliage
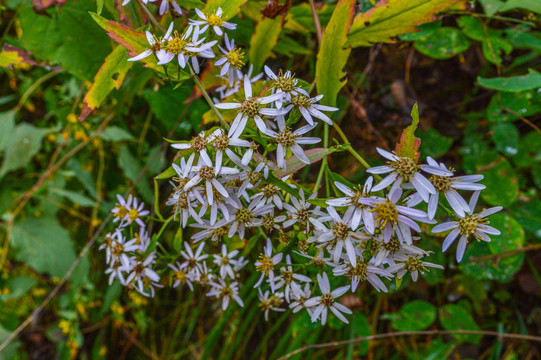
column 79, row 124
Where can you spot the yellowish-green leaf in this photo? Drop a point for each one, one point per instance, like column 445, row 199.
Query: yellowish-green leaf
column 110, row 76
column 334, row 52
column 408, row 146
column 390, row 18
column 229, row 7
column 9, row 58
column 263, row 40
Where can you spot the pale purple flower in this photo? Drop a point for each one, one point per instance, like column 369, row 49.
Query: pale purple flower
column 326, row 301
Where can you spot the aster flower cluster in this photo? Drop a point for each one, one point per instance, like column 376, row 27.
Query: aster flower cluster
column 234, row 196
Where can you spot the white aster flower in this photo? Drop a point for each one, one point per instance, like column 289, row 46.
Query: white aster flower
column 284, row 83
column 309, row 109
column 470, row 225
column 412, row 264
column 143, row 276
column 448, row 186
column 226, row 261
column 405, row 169
column 226, row 292
column 231, row 62
column 326, row 301
column 246, row 217
column 154, row 42
column 287, row 139
column 213, row 20
column 269, row 302
column 180, row 277
column 299, row 212
column 300, row 296
column 166, row 4
column 266, row 264
column 251, row 108
column 193, row 261
column 362, row 271
column 288, row 279
column 358, row 211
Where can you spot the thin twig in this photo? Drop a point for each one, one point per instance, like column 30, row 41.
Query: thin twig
column 505, row 254
column 413, row 333
column 316, row 21
column 523, row 119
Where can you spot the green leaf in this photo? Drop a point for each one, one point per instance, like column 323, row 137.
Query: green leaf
column 167, row 104
column 529, row 216
column 115, row 134
column 17, row 287
column 74, row 197
column 7, row 126
column 443, row 43
column 361, row 327
column 434, row 144
column 68, row 36
column 491, row 6
column 263, row 40
column 415, row 315
column 505, row 137
column 43, row 244
column 294, row 164
column 167, row 173
column 229, row 7
column 110, row 76
column 390, row 18
column 531, row 5
column 530, row 81
column 408, row 146
column 25, row 142
column 455, row 317
column 500, row 179
column 529, row 151
column 10, row 352
column 334, row 53
column 423, row 31
column 509, row 106
column 136, row 42
column 502, row 269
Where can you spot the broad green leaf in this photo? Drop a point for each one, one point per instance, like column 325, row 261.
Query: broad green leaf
column 455, row 317
column 424, row 31
column 294, row 164
column 7, row 126
column 509, row 106
column 167, row 174
column 434, row 144
column 136, row 42
column 361, row 327
column 229, row 7
column 505, row 136
column 263, row 40
column 167, row 104
column 443, row 43
column 115, row 133
column 520, row 38
column 494, row 47
column 74, row 197
column 408, row 146
column 68, row 36
column 289, row 47
column 110, row 76
column 43, row 244
column 25, row 142
column 10, row 352
column 531, row 5
column 390, row 18
column 500, row 179
column 18, row 286
column 334, row 52
column 530, row 81
column 415, row 315
column 503, row 269
column 301, row 19
column 529, row 216
column 491, row 6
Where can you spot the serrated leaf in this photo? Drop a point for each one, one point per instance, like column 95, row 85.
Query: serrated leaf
column 110, row 76
column 294, row 164
column 334, row 52
column 530, row 81
column 263, row 40
column 408, row 146
column 229, row 7
column 136, row 42
column 390, row 18
column 44, row 245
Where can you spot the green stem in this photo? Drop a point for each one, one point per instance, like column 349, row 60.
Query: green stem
column 152, row 18
column 156, row 200
column 207, row 97
column 324, row 162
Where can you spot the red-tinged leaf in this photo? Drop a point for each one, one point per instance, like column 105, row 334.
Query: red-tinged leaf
column 390, row 18
column 136, row 42
column 40, row 5
column 294, row 164
column 110, row 76
column 17, row 56
column 408, row 146
column 334, row 52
